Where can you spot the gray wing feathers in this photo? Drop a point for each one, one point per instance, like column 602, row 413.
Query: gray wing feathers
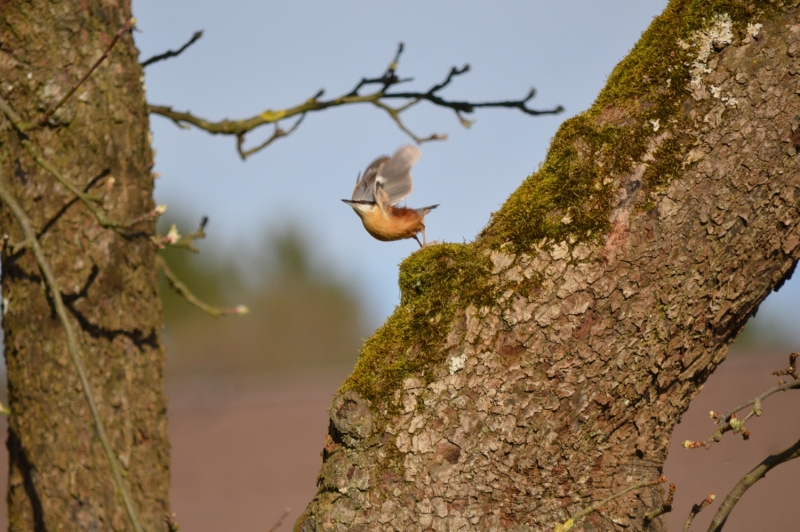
column 395, row 175
column 365, row 184
column 392, row 174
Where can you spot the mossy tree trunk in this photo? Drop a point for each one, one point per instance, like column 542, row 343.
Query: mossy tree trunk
column 59, row 477
column 543, row 367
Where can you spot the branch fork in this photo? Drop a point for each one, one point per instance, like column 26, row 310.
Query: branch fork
column 378, row 98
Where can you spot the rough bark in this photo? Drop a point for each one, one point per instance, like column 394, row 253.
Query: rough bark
column 59, row 477
column 612, row 298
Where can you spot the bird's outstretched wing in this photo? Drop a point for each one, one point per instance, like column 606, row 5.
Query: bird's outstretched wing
column 365, row 184
column 395, row 175
column 392, row 174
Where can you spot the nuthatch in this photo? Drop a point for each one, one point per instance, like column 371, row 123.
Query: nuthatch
column 385, row 183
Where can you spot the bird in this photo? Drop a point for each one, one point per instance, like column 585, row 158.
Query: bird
column 385, row 183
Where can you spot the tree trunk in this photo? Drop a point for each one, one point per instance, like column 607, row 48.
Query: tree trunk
column 543, row 367
column 59, row 477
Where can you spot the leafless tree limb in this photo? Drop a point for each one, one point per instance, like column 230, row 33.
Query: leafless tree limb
column 748, row 480
column 174, row 239
column 378, row 98
column 791, row 370
column 696, row 509
column 187, row 294
column 88, row 201
column 729, row 422
column 46, row 116
column 173, row 53
column 280, row 521
column 278, row 133
column 665, row 507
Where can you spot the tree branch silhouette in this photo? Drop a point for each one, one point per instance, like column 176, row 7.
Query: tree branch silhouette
column 379, row 98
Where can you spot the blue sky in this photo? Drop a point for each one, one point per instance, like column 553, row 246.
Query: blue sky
column 269, row 55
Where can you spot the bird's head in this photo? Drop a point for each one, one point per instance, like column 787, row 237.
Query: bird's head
column 362, row 208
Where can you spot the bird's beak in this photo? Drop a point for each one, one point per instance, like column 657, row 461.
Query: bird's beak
column 348, row 202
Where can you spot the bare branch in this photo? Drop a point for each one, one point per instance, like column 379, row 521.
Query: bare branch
column 569, row 523
column 73, row 349
column 756, row 402
column 46, row 116
column 729, row 421
column 378, row 98
column 173, row 53
column 174, row 239
column 280, row 521
column 184, row 291
column 244, row 154
column 394, row 114
column 89, row 201
column 696, row 509
column 16, row 120
column 791, row 370
column 665, row 507
column 748, row 480
column 388, row 78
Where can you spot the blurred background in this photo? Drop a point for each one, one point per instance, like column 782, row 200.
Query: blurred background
column 249, row 395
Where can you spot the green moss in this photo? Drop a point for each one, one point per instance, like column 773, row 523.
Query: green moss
column 667, row 163
column 434, row 282
column 569, row 198
column 571, row 193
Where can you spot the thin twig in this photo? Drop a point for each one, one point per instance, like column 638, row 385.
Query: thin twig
column 696, row 509
column 87, row 200
column 173, row 237
column 73, row 348
column 753, row 402
column 19, row 124
column 665, row 507
column 280, row 521
column 173, row 53
column 388, row 78
column 394, row 114
column 184, row 291
column 569, row 523
column 791, row 370
column 46, row 116
column 730, row 422
column 244, row 154
column 748, row 480
column 378, row 98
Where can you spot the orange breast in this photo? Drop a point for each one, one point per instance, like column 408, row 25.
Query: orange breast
column 397, row 224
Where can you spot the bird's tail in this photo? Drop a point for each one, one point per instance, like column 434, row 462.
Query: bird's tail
column 425, row 210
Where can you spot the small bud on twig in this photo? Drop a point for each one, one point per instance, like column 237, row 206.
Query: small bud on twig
column 173, row 235
column 757, row 407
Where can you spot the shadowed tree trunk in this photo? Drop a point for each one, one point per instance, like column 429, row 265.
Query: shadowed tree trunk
column 543, row 367
column 59, row 477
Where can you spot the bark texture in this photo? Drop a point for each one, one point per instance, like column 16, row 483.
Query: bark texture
column 566, row 388
column 59, row 477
